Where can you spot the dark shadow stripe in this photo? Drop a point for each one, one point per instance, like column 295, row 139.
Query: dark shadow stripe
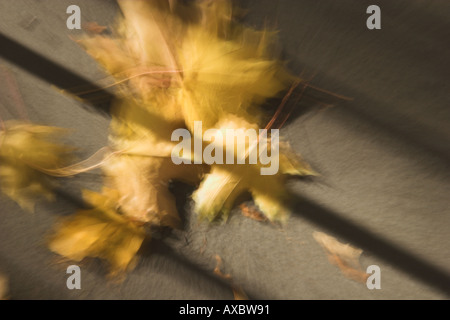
column 54, row 73
column 396, row 256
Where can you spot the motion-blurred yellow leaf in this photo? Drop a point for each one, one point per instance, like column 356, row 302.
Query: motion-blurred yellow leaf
column 100, row 232
column 26, row 152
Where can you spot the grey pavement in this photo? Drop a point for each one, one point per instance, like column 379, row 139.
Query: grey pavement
column 383, row 159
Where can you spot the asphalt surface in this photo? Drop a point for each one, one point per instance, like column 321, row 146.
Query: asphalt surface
column 383, row 158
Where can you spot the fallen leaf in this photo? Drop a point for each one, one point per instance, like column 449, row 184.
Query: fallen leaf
column 94, row 28
column 217, row 270
column 252, row 213
column 99, row 233
column 344, row 256
column 27, row 151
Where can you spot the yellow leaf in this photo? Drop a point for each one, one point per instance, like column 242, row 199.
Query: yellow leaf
column 100, row 232
column 27, row 151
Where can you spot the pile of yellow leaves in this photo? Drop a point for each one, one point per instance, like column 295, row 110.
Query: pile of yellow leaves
column 174, row 63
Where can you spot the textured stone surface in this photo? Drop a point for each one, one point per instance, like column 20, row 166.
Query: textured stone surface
column 383, row 159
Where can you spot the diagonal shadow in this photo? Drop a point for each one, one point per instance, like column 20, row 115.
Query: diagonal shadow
column 415, row 137
column 54, row 73
column 424, row 47
column 400, row 258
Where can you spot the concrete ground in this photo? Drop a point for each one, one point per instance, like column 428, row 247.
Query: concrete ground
column 383, row 159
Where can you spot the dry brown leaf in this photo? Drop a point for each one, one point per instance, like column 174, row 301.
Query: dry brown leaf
column 343, row 256
column 94, row 28
column 252, row 213
column 217, row 270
